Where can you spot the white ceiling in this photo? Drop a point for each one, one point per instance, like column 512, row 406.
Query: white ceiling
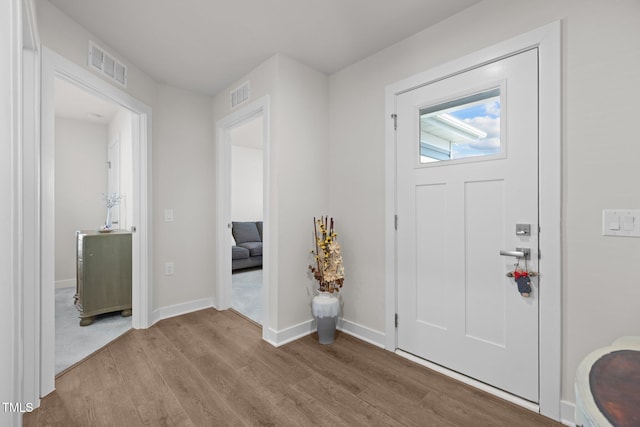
column 71, row 102
column 205, row 45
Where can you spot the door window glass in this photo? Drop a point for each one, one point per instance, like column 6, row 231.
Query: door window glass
column 461, row 128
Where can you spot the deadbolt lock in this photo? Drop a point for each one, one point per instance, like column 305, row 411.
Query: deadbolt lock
column 523, row 230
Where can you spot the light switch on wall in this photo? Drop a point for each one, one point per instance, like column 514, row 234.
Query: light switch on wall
column 169, row 269
column 621, row 222
column 628, row 222
column 168, row 215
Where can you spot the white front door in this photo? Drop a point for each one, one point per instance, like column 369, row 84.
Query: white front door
column 467, row 175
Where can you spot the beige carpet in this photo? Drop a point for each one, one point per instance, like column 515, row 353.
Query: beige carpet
column 246, row 293
column 75, row 342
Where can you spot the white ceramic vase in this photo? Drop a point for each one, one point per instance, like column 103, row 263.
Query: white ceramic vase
column 325, row 307
column 107, row 222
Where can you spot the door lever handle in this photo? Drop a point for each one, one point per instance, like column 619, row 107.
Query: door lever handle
column 518, row 253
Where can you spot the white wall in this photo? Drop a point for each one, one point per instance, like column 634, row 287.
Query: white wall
column 80, row 181
column 183, row 177
column 302, row 166
column 246, row 183
column 601, row 59
column 120, row 130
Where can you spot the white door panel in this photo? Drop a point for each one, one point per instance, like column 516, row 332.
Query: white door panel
column 456, row 306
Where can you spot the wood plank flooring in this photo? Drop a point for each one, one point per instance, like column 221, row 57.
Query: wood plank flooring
column 211, row 368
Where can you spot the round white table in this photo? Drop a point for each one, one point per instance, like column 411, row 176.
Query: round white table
column 621, row 362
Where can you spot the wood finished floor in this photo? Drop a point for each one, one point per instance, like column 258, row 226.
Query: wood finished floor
column 211, row 368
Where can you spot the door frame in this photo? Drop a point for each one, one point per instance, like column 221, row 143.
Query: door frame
column 547, row 40
column 223, row 202
column 15, row 47
column 30, row 206
column 55, row 66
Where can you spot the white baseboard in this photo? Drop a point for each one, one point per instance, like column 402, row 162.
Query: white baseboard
column 67, row 283
column 362, row 332
column 567, row 413
column 182, row 308
column 295, row 332
column 277, row 338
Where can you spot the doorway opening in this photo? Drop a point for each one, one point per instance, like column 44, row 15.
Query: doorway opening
column 235, row 235
column 55, row 67
column 247, row 214
column 93, row 151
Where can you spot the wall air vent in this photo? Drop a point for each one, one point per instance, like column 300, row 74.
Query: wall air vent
column 240, row 95
column 106, row 64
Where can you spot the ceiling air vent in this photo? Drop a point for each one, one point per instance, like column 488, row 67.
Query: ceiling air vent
column 240, row 95
column 105, row 63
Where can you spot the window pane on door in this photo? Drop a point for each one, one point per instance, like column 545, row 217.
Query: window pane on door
column 461, row 128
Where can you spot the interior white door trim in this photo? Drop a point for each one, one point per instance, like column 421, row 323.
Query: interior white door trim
column 223, row 212
column 547, row 40
column 56, row 66
column 11, row 239
column 30, row 205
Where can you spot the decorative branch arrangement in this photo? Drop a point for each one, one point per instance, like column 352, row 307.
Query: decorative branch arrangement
column 328, row 270
column 111, row 200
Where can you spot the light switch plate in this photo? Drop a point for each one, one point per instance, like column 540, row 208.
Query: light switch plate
column 168, row 215
column 621, row 222
column 169, row 269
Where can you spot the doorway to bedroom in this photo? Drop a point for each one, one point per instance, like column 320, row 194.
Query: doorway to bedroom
column 247, row 159
column 93, row 161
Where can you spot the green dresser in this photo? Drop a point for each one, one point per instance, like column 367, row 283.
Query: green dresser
column 104, row 274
